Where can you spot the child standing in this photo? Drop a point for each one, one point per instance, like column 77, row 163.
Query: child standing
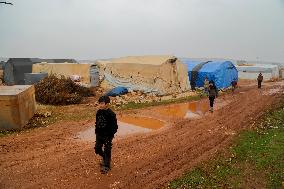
column 106, row 127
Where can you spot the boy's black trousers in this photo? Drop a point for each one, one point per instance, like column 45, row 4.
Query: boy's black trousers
column 211, row 99
column 259, row 84
column 106, row 143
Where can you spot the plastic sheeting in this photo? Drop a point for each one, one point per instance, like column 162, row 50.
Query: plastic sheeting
column 94, row 75
column 117, row 91
column 221, row 72
column 114, row 81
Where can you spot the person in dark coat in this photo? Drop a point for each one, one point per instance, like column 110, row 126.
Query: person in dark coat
column 192, row 85
column 212, row 93
column 259, row 80
column 106, row 127
column 234, row 84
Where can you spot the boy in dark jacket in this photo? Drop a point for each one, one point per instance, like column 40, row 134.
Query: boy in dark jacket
column 213, row 93
column 106, row 127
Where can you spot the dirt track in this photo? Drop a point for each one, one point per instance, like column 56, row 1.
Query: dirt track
column 51, row 158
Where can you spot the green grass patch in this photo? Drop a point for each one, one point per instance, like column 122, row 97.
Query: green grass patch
column 255, row 160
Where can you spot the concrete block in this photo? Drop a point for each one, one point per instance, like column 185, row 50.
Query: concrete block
column 17, row 106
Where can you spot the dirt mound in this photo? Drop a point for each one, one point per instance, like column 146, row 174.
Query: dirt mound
column 60, row 91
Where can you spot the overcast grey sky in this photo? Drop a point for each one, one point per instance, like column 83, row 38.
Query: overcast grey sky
column 91, row 29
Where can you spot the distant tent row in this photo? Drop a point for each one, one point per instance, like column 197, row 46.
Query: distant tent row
column 158, row 74
column 15, row 68
column 221, row 72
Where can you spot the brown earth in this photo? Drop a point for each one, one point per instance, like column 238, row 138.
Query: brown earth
column 50, row 157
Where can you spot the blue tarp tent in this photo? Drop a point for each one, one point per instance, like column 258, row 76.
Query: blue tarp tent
column 221, row 72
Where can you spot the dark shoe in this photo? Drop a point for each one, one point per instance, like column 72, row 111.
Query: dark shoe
column 105, row 170
column 101, row 164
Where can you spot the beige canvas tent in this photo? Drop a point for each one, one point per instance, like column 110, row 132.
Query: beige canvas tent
column 158, row 74
column 65, row 69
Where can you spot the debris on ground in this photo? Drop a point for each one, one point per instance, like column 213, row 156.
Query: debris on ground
column 140, row 97
column 39, row 119
column 60, row 91
column 42, row 114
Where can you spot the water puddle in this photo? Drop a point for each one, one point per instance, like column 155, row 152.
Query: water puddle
column 191, row 110
column 127, row 125
column 133, row 124
column 144, row 122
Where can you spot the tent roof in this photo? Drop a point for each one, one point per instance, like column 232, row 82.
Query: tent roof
column 152, row 60
column 38, row 60
column 257, row 66
column 211, row 66
column 58, row 60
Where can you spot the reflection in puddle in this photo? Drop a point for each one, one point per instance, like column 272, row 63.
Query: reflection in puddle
column 132, row 124
column 145, row 122
column 123, row 130
column 127, row 125
column 191, row 110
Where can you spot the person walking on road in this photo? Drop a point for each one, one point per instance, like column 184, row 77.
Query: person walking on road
column 206, row 85
column 259, row 80
column 234, row 84
column 213, row 93
column 106, row 127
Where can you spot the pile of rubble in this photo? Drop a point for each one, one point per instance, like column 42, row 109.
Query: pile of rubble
column 139, row 97
column 60, row 91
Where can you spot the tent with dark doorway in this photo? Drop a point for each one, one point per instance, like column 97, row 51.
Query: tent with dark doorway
column 15, row 68
column 221, row 72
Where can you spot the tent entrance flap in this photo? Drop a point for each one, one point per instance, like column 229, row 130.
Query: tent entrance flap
column 194, row 73
column 221, row 72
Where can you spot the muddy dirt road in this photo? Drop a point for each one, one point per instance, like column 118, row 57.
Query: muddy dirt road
column 50, row 157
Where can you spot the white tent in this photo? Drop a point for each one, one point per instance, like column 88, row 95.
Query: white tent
column 247, row 71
